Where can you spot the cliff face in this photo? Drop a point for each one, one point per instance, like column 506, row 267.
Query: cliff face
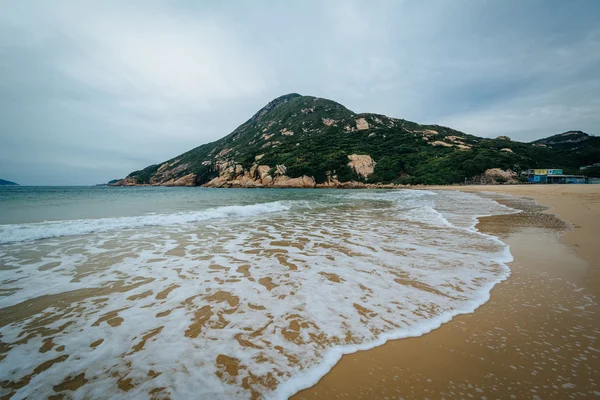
column 304, row 141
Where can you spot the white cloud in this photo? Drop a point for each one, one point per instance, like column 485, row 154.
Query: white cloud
column 534, row 116
column 161, row 59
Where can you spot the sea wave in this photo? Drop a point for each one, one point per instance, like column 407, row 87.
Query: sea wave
column 295, row 293
column 42, row 230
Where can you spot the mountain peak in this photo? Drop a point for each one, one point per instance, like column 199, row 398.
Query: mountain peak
column 565, row 135
column 274, row 104
column 287, row 97
column 565, row 140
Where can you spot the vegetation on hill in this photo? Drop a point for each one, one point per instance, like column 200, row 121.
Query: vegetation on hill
column 314, row 137
column 592, row 172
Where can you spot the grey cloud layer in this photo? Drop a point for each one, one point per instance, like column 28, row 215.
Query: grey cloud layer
column 90, row 91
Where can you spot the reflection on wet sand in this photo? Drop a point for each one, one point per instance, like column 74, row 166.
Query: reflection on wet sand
column 536, row 338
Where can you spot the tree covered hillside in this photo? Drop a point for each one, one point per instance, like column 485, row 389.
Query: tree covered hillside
column 298, row 136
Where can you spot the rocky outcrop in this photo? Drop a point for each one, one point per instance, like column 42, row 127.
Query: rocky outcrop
column 168, row 172
column 362, row 124
column 457, row 142
column 258, row 176
column 456, row 139
column 129, row 181
column 362, row 164
column 186, row 180
column 494, row 176
column 301, row 182
column 233, row 175
column 264, row 176
column 500, row 174
column 217, row 182
column 280, row 170
column 440, row 143
column 244, row 181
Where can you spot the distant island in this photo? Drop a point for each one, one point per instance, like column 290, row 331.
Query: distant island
column 305, row 141
column 7, row 183
column 109, row 183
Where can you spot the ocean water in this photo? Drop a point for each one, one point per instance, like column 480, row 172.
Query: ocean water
column 225, row 293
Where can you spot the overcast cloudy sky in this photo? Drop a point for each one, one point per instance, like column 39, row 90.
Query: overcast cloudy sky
column 90, row 91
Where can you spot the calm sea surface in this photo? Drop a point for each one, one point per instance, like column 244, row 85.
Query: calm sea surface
column 225, row 293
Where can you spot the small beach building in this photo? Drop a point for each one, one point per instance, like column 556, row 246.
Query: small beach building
column 552, row 175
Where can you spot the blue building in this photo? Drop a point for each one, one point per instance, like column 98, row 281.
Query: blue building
column 552, row 175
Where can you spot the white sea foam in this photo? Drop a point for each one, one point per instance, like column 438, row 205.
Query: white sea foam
column 280, row 297
column 42, row 230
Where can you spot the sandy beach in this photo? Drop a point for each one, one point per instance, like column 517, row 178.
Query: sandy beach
column 537, row 337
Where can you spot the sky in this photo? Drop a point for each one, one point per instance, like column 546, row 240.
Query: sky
column 91, row 91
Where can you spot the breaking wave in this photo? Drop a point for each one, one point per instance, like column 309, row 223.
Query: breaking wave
column 43, row 230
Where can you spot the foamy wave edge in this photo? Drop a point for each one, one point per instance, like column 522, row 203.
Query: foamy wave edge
column 311, row 377
column 44, row 230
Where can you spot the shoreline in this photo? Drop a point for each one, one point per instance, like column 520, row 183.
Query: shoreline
column 491, row 352
column 536, row 333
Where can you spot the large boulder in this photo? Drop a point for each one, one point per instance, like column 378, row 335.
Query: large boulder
column 186, row 180
column 217, row 182
column 362, row 164
column 497, row 175
column 262, row 174
column 263, row 171
column 244, row 182
column 300, row 182
column 362, row 124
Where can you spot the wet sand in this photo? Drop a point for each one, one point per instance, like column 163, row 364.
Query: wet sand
column 537, row 338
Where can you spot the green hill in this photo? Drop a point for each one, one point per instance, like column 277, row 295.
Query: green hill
column 7, row 183
column 303, row 141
